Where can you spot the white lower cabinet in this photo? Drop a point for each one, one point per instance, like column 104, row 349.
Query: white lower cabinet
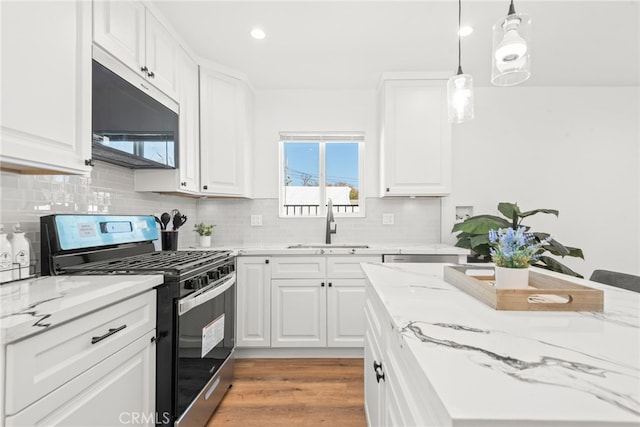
column 98, row 369
column 116, row 391
column 253, row 295
column 301, row 301
column 396, row 391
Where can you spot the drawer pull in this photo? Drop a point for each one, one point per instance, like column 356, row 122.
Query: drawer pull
column 379, row 376
column 108, row 334
column 377, row 365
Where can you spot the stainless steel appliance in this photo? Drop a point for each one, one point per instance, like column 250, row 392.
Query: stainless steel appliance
column 195, row 337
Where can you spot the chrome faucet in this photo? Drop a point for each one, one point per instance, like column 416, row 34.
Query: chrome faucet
column 330, row 230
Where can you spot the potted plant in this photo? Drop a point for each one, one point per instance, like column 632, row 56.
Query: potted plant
column 204, row 231
column 474, row 235
column 512, row 251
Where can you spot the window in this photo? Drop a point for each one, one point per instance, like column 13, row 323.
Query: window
column 316, row 167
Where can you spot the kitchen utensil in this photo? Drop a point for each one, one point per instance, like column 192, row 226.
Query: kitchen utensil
column 176, row 219
column 166, row 219
column 159, row 222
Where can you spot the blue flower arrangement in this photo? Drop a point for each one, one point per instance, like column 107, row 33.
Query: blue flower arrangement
column 514, row 249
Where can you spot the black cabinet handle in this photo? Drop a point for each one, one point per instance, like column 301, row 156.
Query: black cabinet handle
column 89, row 162
column 322, row 284
column 183, row 184
column 377, row 365
column 108, row 334
column 266, row 261
column 379, row 376
column 387, row 189
column 330, row 284
column 379, row 372
column 151, row 74
column 144, row 69
column 205, row 187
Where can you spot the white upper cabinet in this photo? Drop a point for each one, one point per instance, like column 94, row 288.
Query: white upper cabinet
column 46, row 87
column 226, row 106
column 415, row 138
column 128, row 31
column 186, row 178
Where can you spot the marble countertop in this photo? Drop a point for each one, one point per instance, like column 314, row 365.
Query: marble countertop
column 346, row 249
column 493, row 367
column 31, row 306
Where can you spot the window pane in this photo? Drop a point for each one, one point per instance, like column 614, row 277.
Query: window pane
column 342, row 176
column 301, row 178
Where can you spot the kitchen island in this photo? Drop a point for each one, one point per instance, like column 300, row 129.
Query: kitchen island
column 436, row 356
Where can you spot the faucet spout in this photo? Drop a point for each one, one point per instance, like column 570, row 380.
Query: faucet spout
column 330, row 230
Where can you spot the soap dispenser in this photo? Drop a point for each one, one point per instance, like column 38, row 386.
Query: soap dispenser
column 21, row 253
column 6, row 257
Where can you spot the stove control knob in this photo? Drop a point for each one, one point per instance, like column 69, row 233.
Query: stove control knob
column 225, row 269
column 213, row 275
column 232, row 267
column 204, row 280
column 189, row 284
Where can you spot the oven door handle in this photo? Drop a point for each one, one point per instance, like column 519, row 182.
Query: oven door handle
column 190, row 302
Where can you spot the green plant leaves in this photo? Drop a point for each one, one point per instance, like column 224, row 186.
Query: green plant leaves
column 554, row 265
column 481, row 224
column 474, row 235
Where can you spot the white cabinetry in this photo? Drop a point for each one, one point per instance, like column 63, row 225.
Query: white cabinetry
column 226, row 138
column 87, row 371
column 415, row 137
column 396, row 391
column 318, row 301
column 253, row 321
column 46, row 87
column 128, row 31
column 186, row 178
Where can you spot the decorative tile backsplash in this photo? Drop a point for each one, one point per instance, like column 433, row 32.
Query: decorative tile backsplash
column 415, row 221
column 109, row 190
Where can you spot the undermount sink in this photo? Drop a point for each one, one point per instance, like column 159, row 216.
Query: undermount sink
column 327, row 246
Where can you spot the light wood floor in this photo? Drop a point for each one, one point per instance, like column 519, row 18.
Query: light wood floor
column 294, row 392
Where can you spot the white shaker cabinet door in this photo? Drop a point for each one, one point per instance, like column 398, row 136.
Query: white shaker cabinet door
column 415, row 138
column 46, row 86
column 345, row 312
column 110, row 393
column 254, row 302
column 162, row 57
column 298, row 317
column 119, row 28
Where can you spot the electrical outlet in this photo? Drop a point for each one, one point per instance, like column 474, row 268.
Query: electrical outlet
column 388, row 219
column 256, row 220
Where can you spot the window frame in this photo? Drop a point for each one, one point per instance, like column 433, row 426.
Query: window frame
column 322, row 138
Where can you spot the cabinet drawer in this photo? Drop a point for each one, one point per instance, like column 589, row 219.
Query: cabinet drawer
column 44, row 362
column 348, row 267
column 304, row 267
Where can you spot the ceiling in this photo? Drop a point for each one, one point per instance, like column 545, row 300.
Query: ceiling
column 347, row 44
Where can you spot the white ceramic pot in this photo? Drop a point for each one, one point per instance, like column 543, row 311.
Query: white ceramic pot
column 512, row 278
column 205, row 241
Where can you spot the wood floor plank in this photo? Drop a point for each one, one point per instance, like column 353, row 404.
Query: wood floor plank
column 294, row 392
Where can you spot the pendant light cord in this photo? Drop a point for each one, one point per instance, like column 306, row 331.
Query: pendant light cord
column 459, row 23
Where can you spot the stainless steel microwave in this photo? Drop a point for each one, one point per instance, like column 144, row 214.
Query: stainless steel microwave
column 130, row 127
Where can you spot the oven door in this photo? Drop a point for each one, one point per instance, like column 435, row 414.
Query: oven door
column 205, row 328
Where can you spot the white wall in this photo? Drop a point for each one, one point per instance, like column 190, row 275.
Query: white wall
column 311, row 110
column 574, row 149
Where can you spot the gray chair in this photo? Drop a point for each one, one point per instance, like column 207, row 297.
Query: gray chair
column 619, row 280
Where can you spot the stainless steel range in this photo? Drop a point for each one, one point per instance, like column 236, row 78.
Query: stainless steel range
column 196, row 304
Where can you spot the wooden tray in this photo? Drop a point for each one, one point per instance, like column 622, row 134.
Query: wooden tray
column 545, row 293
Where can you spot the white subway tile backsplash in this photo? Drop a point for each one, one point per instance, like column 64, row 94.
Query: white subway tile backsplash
column 109, row 190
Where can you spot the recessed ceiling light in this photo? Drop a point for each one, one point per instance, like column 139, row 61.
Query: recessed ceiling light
column 465, row 30
column 258, row 33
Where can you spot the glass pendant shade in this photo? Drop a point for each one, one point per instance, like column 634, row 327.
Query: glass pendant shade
column 511, row 50
column 460, row 98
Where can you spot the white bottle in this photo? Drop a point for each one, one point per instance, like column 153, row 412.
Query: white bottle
column 6, row 257
column 21, row 253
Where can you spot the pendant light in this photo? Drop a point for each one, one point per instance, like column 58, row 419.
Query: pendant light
column 460, row 88
column 511, row 49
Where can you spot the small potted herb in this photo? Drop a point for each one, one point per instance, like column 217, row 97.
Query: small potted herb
column 204, row 231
